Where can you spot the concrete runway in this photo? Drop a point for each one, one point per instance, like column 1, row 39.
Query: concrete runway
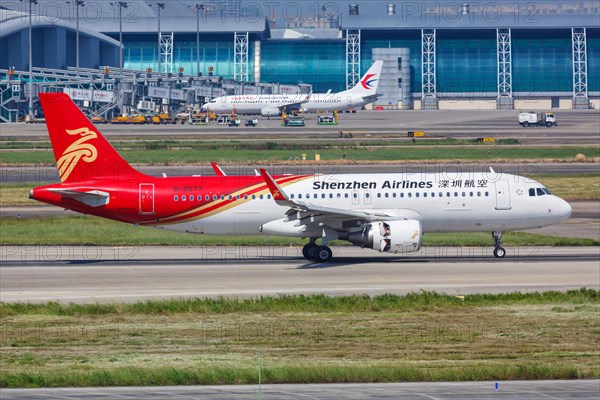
column 90, row 274
column 507, row 390
column 574, row 127
column 42, row 174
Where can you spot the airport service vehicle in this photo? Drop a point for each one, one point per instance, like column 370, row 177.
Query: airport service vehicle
column 384, row 212
column 363, row 93
column 294, row 121
column 251, row 122
column 537, row 119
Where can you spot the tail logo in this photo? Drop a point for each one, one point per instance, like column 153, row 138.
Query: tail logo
column 78, row 150
column 367, row 81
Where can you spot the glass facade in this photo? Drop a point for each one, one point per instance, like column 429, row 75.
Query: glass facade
column 218, row 54
column 406, row 39
column 320, row 63
column 542, row 61
column 466, row 60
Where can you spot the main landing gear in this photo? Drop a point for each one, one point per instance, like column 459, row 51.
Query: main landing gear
column 312, row 251
column 499, row 251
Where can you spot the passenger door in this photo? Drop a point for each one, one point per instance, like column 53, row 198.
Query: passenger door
column 502, row 195
column 146, row 198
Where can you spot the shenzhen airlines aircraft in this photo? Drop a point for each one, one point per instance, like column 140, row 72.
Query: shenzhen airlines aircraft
column 364, row 92
column 383, row 212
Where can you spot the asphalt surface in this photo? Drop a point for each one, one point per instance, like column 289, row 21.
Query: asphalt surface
column 574, row 127
column 90, row 274
column 42, row 174
column 505, row 390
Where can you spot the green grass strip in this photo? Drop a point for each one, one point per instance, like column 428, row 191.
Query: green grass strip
column 84, row 230
column 317, row 303
column 285, row 374
column 357, row 153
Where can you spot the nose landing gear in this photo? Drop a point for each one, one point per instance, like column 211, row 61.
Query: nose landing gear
column 499, row 251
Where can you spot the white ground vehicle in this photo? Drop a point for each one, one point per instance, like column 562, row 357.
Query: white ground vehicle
column 537, row 119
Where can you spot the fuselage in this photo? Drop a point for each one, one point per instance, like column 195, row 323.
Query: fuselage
column 241, row 205
column 257, row 104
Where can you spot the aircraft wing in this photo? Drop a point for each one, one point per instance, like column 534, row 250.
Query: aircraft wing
column 93, row 198
column 296, row 105
column 309, row 209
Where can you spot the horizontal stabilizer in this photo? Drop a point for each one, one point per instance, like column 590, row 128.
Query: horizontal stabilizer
column 92, row 198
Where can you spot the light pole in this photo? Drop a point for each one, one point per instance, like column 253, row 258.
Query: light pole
column 160, row 6
column 121, row 5
column 30, row 111
column 77, row 3
column 198, row 8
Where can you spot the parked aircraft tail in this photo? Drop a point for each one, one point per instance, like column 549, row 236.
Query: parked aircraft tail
column 370, row 81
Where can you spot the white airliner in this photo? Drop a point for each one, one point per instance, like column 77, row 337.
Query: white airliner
column 363, row 93
column 384, row 212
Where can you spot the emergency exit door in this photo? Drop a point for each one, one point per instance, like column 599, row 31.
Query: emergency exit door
column 146, row 198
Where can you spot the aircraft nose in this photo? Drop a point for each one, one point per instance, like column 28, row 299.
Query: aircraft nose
column 563, row 210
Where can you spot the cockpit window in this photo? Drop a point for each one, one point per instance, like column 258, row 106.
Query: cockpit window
column 540, row 192
column 547, row 191
column 532, row 192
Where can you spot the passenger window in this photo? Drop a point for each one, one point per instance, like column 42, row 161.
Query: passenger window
column 214, row 197
column 268, row 196
column 300, row 196
column 346, row 195
column 532, row 192
column 230, row 197
column 261, row 196
column 176, row 198
column 455, row 194
column 253, row 196
column 331, row 195
column 183, row 198
column 478, row 194
column 291, row 196
column 245, row 197
column 540, row 192
column 192, row 198
column 487, row 194
column 222, row 197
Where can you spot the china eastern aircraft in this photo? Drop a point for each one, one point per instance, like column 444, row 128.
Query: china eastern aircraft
column 384, row 212
column 363, row 93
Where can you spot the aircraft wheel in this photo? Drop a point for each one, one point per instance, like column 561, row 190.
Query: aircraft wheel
column 324, row 254
column 309, row 251
column 499, row 252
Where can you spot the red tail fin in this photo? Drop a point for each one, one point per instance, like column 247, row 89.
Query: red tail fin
column 81, row 152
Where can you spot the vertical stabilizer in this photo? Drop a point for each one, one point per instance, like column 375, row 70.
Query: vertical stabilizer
column 81, row 152
column 367, row 86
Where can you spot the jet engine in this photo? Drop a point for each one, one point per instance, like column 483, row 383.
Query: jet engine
column 390, row 236
column 269, row 111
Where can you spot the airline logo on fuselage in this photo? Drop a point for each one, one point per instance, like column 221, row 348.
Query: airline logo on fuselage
column 78, row 150
column 367, row 81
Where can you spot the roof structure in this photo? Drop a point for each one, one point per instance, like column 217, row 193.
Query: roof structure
column 141, row 16
column 444, row 14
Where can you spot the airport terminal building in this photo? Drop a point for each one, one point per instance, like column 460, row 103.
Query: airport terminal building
column 438, row 54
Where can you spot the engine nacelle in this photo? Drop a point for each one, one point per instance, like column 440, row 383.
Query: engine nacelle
column 269, row 111
column 390, row 236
